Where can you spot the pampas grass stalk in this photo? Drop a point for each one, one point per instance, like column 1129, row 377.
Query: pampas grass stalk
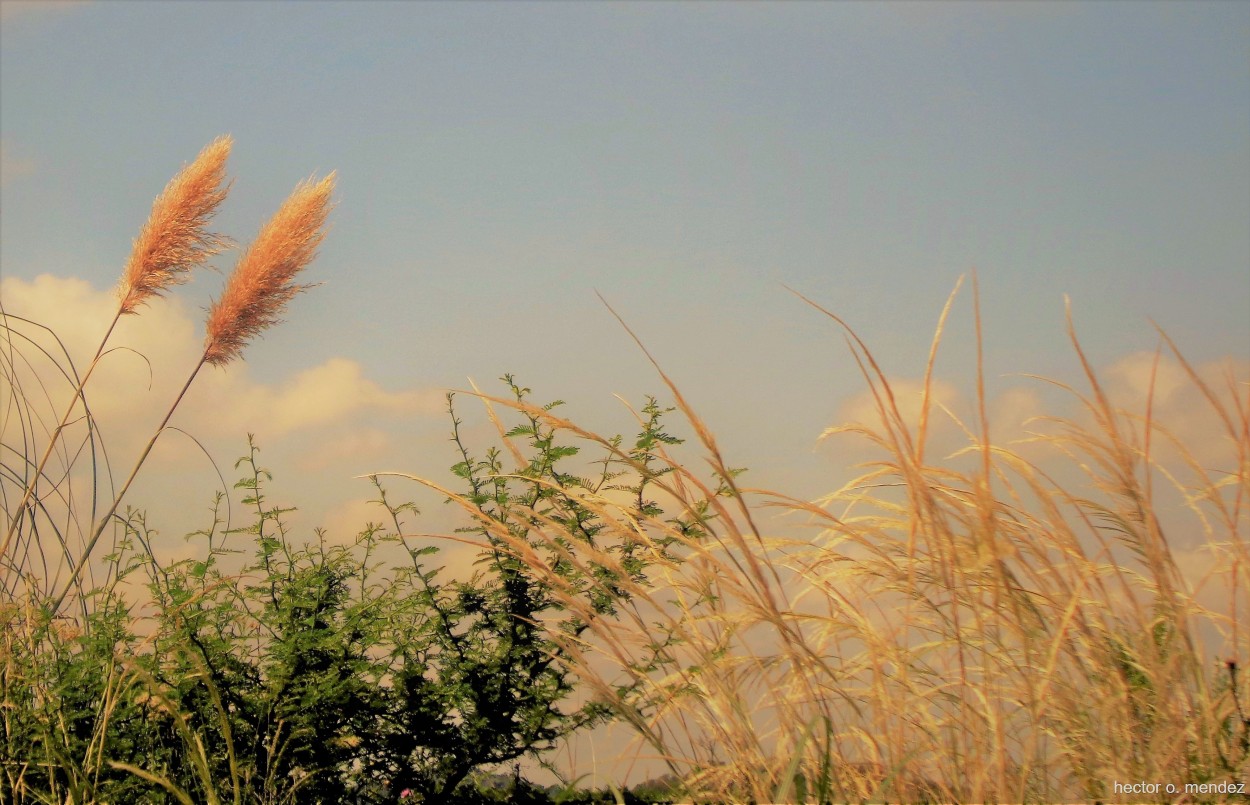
column 175, row 239
column 256, row 294
column 264, row 280
column 173, row 242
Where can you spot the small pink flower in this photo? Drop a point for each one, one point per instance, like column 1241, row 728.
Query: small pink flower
column 407, row 792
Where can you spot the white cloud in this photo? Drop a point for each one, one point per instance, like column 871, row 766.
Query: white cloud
column 346, row 521
column 943, row 432
column 326, row 420
column 908, row 397
column 1130, row 378
column 1011, row 411
column 367, row 443
column 1179, row 405
column 151, row 354
column 332, row 392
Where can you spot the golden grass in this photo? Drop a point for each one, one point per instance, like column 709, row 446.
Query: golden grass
column 989, row 626
column 175, row 239
column 264, row 280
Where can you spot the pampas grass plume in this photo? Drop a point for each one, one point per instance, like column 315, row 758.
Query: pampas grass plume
column 174, row 239
column 263, row 281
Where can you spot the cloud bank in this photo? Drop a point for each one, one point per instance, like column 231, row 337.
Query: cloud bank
column 328, row 421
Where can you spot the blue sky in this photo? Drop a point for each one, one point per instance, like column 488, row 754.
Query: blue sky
column 499, row 164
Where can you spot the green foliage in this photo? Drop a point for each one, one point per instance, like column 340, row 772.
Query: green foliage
column 276, row 671
column 479, row 680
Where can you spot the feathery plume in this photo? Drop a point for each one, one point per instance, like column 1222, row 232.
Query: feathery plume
column 263, row 281
column 174, row 240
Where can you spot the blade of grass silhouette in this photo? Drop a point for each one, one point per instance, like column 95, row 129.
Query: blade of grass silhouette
column 173, row 241
column 85, row 555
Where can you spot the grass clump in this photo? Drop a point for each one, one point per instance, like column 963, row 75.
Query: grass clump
column 991, row 626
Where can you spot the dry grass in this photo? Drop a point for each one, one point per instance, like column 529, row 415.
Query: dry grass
column 264, row 280
column 175, row 238
column 991, row 626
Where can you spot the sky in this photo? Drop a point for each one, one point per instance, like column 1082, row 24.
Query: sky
column 503, row 166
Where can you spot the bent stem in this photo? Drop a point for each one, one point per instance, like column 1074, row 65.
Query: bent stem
column 85, row 556
column 56, row 436
column 172, row 243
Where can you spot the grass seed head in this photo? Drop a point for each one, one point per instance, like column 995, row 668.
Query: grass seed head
column 174, row 239
column 264, row 280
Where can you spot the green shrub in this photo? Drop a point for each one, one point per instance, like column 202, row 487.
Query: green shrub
column 312, row 669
